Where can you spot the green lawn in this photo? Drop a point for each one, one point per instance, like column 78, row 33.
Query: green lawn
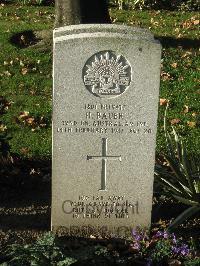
column 26, row 83
column 178, row 33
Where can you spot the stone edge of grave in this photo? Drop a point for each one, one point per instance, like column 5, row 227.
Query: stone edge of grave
column 102, row 30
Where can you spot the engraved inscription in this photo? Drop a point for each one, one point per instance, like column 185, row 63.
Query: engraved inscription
column 106, row 74
column 105, row 119
column 96, row 207
column 104, row 157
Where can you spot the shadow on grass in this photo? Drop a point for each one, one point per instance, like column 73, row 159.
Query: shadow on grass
column 29, row 38
column 25, row 195
column 25, row 199
column 24, row 39
column 20, row 3
column 185, row 43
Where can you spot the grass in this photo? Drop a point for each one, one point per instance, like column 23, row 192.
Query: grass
column 25, row 75
column 178, row 32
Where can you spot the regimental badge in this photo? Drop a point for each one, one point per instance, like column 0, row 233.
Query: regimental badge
column 106, row 74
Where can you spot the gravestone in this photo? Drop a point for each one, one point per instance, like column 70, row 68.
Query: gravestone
column 106, row 87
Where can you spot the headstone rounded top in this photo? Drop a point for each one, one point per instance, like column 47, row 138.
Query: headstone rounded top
column 129, row 31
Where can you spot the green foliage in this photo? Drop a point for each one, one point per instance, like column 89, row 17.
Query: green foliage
column 192, row 262
column 66, row 262
column 159, row 247
column 31, row 2
column 183, row 181
column 48, row 251
column 155, row 249
column 26, row 83
column 161, row 251
column 43, row 252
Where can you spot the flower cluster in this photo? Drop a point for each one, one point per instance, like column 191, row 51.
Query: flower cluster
column 161, row 242
column 182, row 250
column 141, row 239
column 177, row 247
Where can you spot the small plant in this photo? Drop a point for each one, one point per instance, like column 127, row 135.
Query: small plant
column 47, row 250
column 161, row 251
column 43, row 252
column 152, row 249
column 183, row 181
column 159, row 247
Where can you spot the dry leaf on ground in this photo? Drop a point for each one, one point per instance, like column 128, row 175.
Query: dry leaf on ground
column 175, row 121
column 164, row 101
column 191, row 124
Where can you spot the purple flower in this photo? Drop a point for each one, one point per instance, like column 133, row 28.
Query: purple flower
column 136, row 235
column 136, row 246
column 134, row 232
column 161, row 234
column 158, row 234
column 165, row 235
column 174, row 241
column 181, row 250
column 184, row 250
column 175, row 250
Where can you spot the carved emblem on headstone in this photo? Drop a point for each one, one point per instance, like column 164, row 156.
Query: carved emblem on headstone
column 106, row 74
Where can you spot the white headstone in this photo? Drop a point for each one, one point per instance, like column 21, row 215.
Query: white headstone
column 106, row 87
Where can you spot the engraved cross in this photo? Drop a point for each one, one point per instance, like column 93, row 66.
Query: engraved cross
column 104, row 157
